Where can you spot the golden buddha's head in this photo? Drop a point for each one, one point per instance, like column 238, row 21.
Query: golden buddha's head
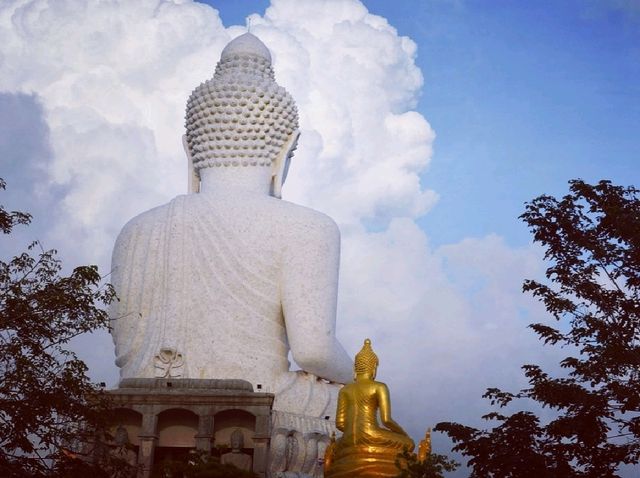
column 366, row 362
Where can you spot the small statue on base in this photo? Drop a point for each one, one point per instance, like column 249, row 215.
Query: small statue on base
column 235, row 457
column 365, row 449
column 123, row 451
column 424, row 447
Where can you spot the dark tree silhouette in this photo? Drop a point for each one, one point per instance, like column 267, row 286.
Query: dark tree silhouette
column 49, row 409
column 592, row 240
column 433, row 466
column 199, row 465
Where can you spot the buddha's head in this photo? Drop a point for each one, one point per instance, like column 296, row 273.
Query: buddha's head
column 122, row 436
column 237, row 440
column 241, row 118
column 366, row 363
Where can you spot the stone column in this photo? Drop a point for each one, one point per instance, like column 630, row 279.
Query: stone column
column 148, row 439
column 205, row 433
column 261, row 444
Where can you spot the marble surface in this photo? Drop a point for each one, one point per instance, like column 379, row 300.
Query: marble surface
column 223, row 283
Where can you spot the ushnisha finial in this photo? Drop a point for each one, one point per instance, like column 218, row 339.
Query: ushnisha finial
column 246, row 44
column 366, row 360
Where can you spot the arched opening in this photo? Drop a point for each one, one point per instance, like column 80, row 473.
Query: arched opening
column 131, row 421
column 177, row 430
column 124, row 442
column 226, row 423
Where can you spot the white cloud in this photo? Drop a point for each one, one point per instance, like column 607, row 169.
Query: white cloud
column 355, row 82
column 113, row 78
column 447, row 323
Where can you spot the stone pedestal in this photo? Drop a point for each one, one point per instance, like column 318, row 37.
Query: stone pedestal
column 176, row 415
column 298, row 444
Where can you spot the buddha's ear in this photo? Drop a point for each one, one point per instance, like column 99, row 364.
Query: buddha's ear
column 193, row 180
column 280, row 166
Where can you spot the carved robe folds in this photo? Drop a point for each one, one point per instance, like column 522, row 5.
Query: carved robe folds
column 199, row 286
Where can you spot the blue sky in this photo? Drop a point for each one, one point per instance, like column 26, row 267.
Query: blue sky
column 521, row 96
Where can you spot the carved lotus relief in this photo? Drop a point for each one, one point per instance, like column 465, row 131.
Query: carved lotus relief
column 169, row 363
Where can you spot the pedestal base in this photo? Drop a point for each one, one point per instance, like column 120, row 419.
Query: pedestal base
column 363, row 462
column 168, row 417
column 298, row 444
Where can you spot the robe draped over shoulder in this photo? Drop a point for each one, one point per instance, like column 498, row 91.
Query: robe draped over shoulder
column 199, row 293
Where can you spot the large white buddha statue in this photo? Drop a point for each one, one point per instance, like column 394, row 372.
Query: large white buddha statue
column 224, row 281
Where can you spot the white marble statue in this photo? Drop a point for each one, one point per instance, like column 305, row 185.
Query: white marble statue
column 223, row 282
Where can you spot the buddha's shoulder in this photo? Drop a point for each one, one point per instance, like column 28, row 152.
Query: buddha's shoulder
column 144, row 224
column 306, row 221
column 265, row 212
column 381, row 386
column 145, row 219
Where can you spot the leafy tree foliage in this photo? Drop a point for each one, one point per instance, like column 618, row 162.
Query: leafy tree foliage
column 433, row 466
column 49, row 409
column 199, row 465
column 592, row 240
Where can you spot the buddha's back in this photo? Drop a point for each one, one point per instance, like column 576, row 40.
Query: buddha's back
column 208, row 276
column 362, row 402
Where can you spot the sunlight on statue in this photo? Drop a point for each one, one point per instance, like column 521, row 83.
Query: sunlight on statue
column 365, row 449
column 223, row 282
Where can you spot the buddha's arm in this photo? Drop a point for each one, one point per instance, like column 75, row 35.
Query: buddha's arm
column 341, row 413
column 128, row 267
column 309, row 296
column 385, row 409
column 120, row 320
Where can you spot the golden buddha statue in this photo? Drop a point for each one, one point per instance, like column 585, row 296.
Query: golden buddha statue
column 365, row 450
column 424, row 447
